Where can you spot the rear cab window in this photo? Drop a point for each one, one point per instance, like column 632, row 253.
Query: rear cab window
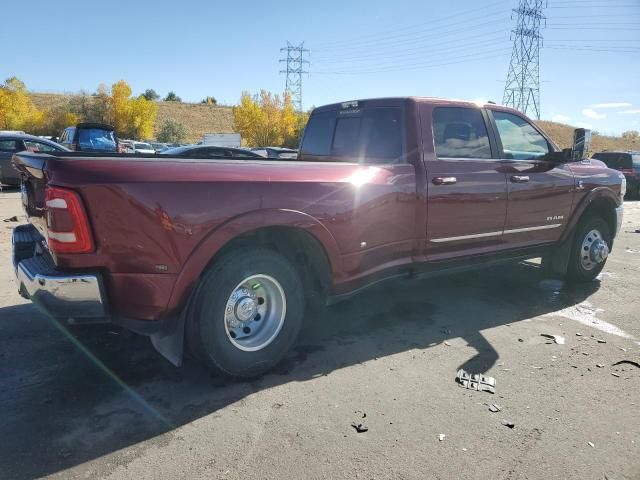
column 97, row 139
column 369, row 135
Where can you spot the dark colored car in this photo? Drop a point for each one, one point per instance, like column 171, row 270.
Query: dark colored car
column 226, row 253
column 90, row 137
column 276, row 152
column 626, row 162
column 14, row 143
column 209, row 151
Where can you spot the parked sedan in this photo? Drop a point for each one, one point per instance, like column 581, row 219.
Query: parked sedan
column 11, row 143
column 208, row 151
column 276, row 152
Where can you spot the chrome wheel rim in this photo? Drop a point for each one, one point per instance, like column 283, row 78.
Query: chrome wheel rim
column 254, row 313
column 594, row 250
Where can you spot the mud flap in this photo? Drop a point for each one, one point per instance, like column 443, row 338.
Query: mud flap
column 557, row 262
column 169, row 342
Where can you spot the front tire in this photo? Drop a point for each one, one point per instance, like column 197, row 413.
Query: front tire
column 590, row 249
column 247, row 313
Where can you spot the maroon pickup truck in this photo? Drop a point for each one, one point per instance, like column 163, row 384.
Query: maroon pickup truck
column 223, row 255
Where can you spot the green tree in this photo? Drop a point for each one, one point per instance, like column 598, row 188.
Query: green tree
column 209, row 101
column 172, row 97
column 150, row 94
column 172, row 132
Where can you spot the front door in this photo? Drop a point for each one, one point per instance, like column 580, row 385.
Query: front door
column 540, row 191
column 466, row 190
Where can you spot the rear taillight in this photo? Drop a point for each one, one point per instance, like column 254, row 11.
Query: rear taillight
column 67, row 223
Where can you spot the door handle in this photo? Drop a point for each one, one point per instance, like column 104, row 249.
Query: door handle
column 519, row 178
column 444, row 180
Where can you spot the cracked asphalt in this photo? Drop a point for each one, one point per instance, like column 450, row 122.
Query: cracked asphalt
column 96, row 402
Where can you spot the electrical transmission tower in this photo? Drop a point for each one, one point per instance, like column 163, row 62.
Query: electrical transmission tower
column 522, row 90
column 295, row 68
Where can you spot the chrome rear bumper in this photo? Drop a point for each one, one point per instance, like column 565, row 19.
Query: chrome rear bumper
column 62, row 295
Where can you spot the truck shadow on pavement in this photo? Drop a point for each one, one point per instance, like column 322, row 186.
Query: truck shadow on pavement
column 73, row 395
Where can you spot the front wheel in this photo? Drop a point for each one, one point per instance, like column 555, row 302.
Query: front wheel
column 590, row 249
column 247, row 313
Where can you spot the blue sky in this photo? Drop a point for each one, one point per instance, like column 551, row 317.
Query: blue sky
column 590, row 63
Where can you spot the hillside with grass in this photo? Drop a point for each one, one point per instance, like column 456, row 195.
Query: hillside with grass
column 563, row 135
column 200, row 119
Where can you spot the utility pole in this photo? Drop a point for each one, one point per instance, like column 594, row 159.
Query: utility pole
column 295, row 68
column 522, row 89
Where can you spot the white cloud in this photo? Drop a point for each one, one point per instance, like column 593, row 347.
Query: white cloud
column 611, row 105
column 629, row 112
column 560, row 118
column 590, row 113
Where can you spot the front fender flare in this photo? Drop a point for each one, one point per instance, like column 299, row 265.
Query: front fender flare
column 595, row 194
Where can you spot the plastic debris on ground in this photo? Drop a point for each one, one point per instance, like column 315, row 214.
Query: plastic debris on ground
column 494, row 408
column 559, row 339
column 508, row 424
column 476, row 381
column 441, row 436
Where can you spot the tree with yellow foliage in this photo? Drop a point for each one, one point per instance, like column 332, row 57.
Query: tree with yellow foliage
column 132, row 117
column 268, row 120
column 17, row 111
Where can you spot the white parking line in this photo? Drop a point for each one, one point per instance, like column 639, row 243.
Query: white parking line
column 585, row 313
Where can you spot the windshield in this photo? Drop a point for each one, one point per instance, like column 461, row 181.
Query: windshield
column 97, row 139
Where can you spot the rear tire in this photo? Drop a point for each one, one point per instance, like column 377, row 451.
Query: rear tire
column 247, row 313
column 591, row 244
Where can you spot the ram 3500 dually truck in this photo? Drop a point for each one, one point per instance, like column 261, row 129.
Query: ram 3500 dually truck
column 224, row 254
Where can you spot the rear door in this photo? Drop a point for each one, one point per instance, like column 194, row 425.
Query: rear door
column 540, row 191
column 466, row 189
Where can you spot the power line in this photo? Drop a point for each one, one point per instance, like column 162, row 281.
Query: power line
column 294, row 70
column 419, row 52
column 430, row 25
column 415, row 66
column 522, row 89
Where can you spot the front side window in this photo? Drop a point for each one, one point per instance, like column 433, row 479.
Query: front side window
column 38, row 147
column 520, row 141
column 460, row 132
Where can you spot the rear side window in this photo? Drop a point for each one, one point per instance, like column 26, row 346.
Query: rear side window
column 635, row 161
column 8, row 145
column 318, row 134
column 460, row 133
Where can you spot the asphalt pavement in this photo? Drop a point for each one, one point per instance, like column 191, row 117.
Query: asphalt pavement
column 97, row 402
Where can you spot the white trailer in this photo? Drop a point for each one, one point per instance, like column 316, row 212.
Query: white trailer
column 222, row 139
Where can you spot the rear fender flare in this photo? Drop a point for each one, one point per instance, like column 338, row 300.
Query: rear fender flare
column 215, row 240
